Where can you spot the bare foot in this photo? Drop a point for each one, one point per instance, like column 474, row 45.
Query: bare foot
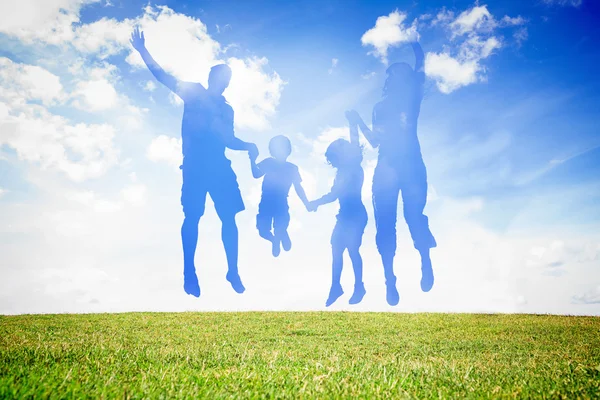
column 334, row 293
column 359, row 293
column 190, row 284
column 236, row 282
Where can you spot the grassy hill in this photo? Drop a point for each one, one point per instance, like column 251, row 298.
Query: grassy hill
column 299, row 355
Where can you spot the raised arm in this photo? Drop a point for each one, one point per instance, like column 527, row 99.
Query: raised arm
column 356, row 121
column 257, row 172
column 419, row 57
column 419, row 66
column 139, row 43
column 354, row 135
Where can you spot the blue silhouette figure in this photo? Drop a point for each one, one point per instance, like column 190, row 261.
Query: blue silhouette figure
column 352, row 218
column 207, row 129
column 400, row 168
column 279, row 176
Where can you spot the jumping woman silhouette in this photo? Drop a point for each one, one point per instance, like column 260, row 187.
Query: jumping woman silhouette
column 400, row 168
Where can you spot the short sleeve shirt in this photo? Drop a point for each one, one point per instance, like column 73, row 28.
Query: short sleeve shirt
column 279, row 177
column 207, row 122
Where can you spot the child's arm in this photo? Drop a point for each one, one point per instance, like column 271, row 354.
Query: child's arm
column 355, row 120
column 297, row 181
column 300, row 192
column 328, row 198
column 256, row 171
column 354, row 134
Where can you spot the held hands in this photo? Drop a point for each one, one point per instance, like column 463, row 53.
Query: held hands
column 252, row 152
column 137, row 40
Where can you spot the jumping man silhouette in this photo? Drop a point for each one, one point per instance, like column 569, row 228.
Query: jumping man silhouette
column 207, row 129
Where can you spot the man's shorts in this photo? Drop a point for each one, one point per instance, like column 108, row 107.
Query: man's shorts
column 219, row 181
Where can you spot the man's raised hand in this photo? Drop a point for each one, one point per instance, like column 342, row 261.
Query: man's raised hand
column 137, row 39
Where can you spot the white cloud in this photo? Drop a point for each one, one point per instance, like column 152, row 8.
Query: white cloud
column 506, row 20
column 389, row 31
column 89, row 199
column 368, row 75
column 135, row 194
column 81, row 151
column 253, row 94
column 174, row 99
column 150, row 86
column 592, row 296
column 97, row 95
column 477, row 18
column 334, row 62
column 572, row 3
column 324, row 139
column 442, row 17
column 476, row 49
column 474, row 38
column 29, row 82
column 3, row 192
column 450, row 73
column 104, row 37
column 49, row 21
column 520, row 36
column 165, row 149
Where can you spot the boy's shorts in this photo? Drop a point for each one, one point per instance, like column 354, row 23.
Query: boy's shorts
column 274, row 215
column 218, row 181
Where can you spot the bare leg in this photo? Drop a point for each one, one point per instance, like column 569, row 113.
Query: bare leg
column 426, row 271
column 385, row 204
column 359, row 287
column 336, row 273
column 189, row 240
column 414, row 197
column 229, row 235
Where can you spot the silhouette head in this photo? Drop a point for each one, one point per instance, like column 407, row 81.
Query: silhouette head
column 341, row 153
column 218, row 78
column 280, row 147
column 400, row 77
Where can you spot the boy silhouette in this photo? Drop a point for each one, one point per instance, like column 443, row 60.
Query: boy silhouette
column 279, row 176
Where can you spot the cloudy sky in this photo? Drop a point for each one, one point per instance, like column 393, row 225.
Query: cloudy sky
column 90, row 149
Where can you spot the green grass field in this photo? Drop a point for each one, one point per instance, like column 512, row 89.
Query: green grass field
column 299, row 355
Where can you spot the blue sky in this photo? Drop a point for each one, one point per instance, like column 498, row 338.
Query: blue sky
column 89, row 149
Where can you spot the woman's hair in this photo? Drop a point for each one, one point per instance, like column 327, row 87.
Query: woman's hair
column 341, row 152
column 400, row 78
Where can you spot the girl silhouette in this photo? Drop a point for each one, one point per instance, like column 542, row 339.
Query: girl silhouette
column 346, row 157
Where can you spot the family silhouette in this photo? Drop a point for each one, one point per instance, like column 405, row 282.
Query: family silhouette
column 207, row 130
